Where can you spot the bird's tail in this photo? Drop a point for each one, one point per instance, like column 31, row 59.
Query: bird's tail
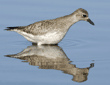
column 13, row 28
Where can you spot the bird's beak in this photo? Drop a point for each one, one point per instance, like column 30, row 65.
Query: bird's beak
column 88, row 20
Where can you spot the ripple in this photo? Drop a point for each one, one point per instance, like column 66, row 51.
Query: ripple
column 66, row 43
column 70, row 43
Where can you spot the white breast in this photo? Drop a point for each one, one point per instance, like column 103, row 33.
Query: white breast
column 48, row 38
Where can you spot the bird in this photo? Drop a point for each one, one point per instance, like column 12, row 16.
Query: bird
column 52, row 31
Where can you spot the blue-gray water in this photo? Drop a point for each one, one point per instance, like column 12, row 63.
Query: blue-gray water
column 85, row 45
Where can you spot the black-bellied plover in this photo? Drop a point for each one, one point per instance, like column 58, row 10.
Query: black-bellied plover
column 51, row 31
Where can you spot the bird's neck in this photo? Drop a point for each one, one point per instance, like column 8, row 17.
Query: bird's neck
column 70, row 19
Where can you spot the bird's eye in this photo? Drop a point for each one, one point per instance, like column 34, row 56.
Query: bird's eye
column 84, row 15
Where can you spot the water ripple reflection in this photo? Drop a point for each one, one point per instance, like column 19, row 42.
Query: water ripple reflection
column 70, row 43
column 52, row 57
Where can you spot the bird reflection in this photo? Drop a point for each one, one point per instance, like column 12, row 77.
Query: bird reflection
column 52, row 57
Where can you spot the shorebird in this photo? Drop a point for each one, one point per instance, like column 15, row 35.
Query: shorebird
column 51, row 31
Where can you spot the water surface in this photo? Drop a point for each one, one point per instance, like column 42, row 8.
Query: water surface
column 82, row 57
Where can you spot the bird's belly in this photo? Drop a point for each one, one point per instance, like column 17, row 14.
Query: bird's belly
column 48, row 38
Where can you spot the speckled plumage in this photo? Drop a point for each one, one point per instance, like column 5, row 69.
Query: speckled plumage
column 51, row 31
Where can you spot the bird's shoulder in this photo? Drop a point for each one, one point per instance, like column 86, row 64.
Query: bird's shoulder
column 41, row 24
column 40, row 27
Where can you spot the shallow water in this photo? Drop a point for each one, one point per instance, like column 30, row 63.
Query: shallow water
column 83, row 56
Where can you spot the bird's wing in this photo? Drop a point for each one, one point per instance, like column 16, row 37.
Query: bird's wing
column 41, row 27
